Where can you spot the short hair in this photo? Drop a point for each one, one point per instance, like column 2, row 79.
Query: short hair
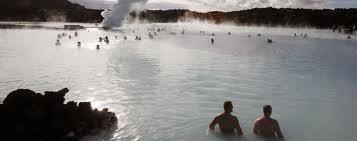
column 267, row 109
column 227, row 104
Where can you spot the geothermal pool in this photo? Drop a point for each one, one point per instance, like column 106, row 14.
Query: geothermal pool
column 170, row 87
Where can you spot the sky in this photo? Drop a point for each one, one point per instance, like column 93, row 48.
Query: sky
column 225, row 5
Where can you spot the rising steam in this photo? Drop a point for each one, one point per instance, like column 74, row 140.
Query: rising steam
column 115, row 16
column 232, row 5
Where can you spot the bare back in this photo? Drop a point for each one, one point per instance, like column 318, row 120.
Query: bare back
column 267, row 127
column 227, row 123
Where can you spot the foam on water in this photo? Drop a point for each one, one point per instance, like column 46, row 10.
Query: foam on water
column 170, row 87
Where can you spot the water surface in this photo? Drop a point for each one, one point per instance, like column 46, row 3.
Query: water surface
column 170, row 87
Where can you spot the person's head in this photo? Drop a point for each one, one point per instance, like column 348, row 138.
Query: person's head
column 267, row 110
column 228, row 107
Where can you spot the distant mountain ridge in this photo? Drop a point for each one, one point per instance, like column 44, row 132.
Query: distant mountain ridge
column 324, row 18
column 47, row 10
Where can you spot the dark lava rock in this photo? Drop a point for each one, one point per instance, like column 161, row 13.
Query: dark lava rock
column 29, row 116
column 47, row 11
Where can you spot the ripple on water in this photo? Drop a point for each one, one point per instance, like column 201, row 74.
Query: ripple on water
column 170, row 88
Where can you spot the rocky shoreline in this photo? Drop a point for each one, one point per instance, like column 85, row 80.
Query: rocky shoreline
column 29, row 116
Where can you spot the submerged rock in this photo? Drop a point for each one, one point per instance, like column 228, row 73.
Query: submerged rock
column 27, row 115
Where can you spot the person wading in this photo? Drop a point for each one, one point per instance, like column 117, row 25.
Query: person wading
column 266, row 126
column 226, row 121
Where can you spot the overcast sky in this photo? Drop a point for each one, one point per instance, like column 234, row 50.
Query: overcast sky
column 226, row 5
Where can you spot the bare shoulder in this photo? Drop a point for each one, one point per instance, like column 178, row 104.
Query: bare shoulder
column 258, row 119
column 219, row 116
column 275, row 121
column 235, row 117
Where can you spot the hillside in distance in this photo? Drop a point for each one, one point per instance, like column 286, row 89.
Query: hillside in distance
column 324, row 18
column 47, row 10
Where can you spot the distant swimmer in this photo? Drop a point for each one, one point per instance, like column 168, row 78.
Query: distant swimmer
column 213, row 34
column 229, row 33
column 106, row 39
column 267, row 127
column 226, row 121
column 125, row 38
column 270, row 40
column 212, row 41
column 58, row 43
column 151, row 36
column 97, row 47
column 348, row 37
column 305, row 35
column 116, row 37
column 75, row 34
column 79, row 44
column 137, row 38
column 249, row 35
column 70, row 37
column 100, row 39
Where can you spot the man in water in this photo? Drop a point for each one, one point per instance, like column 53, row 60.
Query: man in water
column 267, row 127
column 226, row 121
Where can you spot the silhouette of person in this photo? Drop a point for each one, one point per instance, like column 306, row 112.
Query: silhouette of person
column 226, row 121
column 266, row 126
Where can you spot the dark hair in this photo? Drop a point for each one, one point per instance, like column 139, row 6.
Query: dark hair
column 267, row 109
column 227, row 104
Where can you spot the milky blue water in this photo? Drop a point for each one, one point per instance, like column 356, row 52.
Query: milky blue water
column 170, row 87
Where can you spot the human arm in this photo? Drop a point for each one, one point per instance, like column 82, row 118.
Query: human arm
column 255, row 128
column 278, row 131
column 237, row 127
column 213, row 123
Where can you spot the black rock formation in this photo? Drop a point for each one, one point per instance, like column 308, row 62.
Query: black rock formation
column 47, row 10
column 319, row 18
column 29, row 116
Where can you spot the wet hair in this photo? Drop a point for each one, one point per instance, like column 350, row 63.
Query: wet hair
column 267, row 110
column 227, row 104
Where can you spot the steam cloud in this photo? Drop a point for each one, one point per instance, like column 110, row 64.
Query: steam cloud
column 115, row 16
column 231, row 5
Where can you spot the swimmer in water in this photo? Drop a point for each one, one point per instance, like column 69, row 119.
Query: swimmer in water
column 348, row 37
column 58, row 43
column 266, row 126
column 226, row 121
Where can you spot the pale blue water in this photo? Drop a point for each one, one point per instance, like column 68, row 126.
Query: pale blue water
column 171, row 87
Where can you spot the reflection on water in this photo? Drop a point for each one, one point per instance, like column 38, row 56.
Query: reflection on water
column 171, row 87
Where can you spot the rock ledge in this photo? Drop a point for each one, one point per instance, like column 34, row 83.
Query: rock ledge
column 26, row 115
